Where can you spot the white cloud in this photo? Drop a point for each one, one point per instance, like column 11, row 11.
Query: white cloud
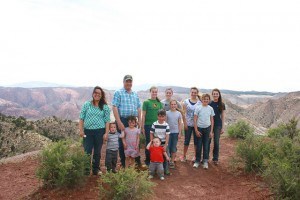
column 241, row 45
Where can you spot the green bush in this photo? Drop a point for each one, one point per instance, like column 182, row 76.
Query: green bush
column 277, row 158
column 240, row 130
column 288, row 129
column 252, row 151
column 126, row 184
column 283, row 169
column 63, row 163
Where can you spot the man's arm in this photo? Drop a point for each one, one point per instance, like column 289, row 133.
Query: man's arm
column 117, row 117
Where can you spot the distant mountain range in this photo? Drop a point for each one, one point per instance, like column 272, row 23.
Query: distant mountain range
column 43, row 106
column 66, row 102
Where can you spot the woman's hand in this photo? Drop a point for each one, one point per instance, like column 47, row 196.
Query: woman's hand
column 222, row 131
column 81, row 133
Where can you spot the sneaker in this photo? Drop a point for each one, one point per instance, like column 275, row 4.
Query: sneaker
column 98, row 173
column 205, row 165
column 172, row 165
column 150, row 177
column 196, row 165
column 216, row 162
column 162, row 178
column 183, row 159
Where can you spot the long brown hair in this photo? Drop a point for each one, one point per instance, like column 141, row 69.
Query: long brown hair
column 198, row 95
column 152, row 88
column 220, row 102
column 102, row 99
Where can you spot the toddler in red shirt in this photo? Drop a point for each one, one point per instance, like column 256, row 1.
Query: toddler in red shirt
column 156, row 157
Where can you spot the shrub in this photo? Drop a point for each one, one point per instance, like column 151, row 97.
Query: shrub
column 285, row 130
column 240, row 130
column 252, row 151
column 283, row 169
column 63, row 163
column 126, row 184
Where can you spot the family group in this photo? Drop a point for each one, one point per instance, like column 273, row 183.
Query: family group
column 162, row 122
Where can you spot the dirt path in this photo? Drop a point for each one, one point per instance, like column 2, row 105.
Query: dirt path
column 18, row 181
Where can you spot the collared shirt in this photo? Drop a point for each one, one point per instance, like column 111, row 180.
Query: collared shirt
column 127, row 103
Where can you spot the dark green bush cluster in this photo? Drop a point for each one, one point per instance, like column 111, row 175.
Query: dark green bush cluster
column 252, row 151
column 63, row 163
column 126, row 184
column 240, row 130
column 285, row 130
column 277, row 158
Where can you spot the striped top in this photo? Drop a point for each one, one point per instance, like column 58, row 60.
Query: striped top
column 113, row 141
column 127, row 103
column 160, row 130
column 93, row 117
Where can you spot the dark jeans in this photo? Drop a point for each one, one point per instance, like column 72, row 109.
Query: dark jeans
column 173, row 140
column 166, row 163
column 188, row 135
column 217, row 132
column 202, row 141
column 147, row 136
column 111, row 160
column 94, row 140
column 121, row 147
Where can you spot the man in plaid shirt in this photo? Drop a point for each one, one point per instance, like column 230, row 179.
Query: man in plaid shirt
column 126, row 103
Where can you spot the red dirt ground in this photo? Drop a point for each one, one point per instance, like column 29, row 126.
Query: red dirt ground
column 18, row 181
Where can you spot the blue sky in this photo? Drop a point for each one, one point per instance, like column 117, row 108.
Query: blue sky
column 238, row 45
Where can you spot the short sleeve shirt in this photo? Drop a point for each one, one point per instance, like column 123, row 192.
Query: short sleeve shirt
column 156, row 154
column 127, row 103
column 160, row 130
column 217, row 117
column 172, row 120
column 151, row 107
column 204, row 113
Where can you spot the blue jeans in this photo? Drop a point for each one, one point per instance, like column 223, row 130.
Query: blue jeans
column 202, row 141
column 166, row 163
column 217, row 132
column 173, row 139
column 94, row 140
column 188, row 135
column 147, row 136
column 121, row 147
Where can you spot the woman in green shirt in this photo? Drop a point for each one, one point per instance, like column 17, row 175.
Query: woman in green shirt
column 93, row 124
column 149, row 115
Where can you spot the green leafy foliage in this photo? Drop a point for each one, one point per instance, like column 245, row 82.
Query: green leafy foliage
column 63, row 163
column 288, row 129
column 252, row 151
column 283, row 169
column 240, row 130
column 276, row 157
column 126, row 184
